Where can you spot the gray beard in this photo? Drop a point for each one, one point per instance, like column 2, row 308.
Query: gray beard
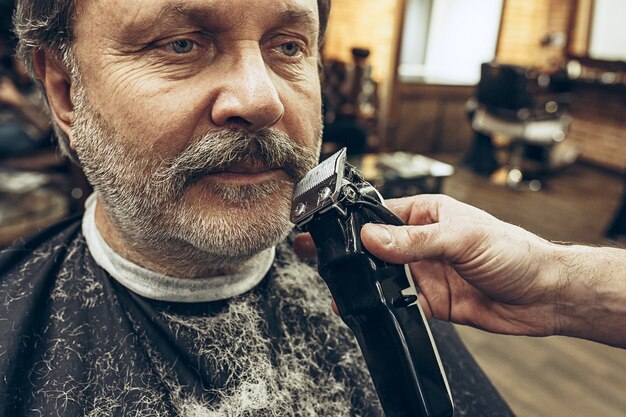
column 144, row 197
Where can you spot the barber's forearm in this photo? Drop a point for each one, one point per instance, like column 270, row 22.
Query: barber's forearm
column 591, row 300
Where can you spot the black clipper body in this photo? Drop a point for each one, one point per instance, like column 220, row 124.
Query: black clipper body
column 377, row 300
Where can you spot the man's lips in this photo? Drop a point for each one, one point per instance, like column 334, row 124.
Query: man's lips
column 253, row 166
column 245, row 169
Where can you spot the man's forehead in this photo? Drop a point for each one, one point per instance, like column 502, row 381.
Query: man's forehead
column 136, row 12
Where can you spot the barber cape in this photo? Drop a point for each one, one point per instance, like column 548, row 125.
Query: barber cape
column 74, row 341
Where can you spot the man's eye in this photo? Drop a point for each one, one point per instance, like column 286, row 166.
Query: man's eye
column 290, row 48
column 182, row 46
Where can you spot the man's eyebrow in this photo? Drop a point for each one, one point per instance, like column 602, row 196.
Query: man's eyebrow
column 292, row 17
column 174, row 14
column 178, row 14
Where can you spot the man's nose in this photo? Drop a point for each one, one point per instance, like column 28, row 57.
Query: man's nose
column 248, row 97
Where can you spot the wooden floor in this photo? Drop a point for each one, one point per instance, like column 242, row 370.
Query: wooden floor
column 555, row 376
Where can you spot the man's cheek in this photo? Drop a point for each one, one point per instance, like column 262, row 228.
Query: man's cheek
column 161, row 120
column 303, row 112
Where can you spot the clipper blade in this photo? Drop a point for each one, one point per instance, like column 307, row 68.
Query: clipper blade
column 318, row 189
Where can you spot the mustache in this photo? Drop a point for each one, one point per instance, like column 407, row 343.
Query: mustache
column 219, row 149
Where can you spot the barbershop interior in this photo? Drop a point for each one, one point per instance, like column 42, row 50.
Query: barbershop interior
column 517, row 107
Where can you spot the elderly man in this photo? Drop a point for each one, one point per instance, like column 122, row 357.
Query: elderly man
column 174, row 295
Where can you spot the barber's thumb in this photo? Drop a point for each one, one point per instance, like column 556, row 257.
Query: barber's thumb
column 395, row 244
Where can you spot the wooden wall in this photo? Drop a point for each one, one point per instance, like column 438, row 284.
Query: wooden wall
column 524, row 24
column 599, row 125
column 366, row 24
column 430, row 118
column 371, row 24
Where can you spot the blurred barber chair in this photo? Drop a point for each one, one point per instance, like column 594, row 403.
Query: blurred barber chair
column 528, row 110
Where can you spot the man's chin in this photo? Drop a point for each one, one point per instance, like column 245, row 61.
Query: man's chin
column 236, row 221
column 235, row 241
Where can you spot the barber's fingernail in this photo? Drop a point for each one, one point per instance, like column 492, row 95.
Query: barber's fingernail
column 381, row 233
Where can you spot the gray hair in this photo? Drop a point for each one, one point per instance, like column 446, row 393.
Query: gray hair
column 47, row 24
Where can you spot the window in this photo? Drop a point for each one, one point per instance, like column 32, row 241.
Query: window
column 608, row 36
column 445, row 41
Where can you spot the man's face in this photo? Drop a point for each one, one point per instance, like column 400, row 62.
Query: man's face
column 194, row 118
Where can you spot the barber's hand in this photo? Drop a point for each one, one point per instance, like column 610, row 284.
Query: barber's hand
column 471, row 267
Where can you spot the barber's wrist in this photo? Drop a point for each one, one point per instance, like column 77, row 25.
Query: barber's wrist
column 590, row 300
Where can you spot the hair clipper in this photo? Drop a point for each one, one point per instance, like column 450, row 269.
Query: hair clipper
column 377, row 300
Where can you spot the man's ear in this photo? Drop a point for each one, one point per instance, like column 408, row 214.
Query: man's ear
column 58, row 84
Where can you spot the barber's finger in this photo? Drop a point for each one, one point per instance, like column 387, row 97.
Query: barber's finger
column 303, row 246
column 404, row 244
column 419, row 209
